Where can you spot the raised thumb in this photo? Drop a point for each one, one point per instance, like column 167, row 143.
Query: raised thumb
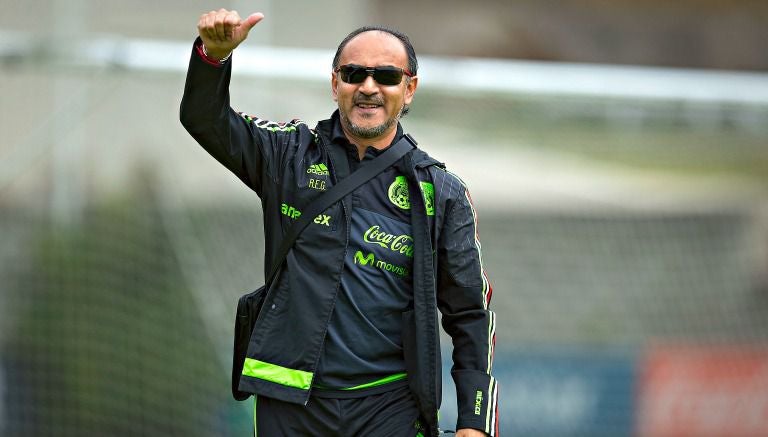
column 251, row 21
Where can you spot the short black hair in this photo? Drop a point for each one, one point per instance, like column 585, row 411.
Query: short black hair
column 413, row 64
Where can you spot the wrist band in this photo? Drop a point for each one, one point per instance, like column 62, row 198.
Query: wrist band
column 220, row 61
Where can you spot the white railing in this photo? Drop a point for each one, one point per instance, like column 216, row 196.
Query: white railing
column 439, row 73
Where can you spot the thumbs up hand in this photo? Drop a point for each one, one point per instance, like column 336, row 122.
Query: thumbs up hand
column 222, row 31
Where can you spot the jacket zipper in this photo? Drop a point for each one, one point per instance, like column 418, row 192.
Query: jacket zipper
column 348, row 222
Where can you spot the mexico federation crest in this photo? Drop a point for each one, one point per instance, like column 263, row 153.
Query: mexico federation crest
column 398, row 193
column 428, row 190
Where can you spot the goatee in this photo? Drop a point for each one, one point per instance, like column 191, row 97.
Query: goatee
column 370, row 132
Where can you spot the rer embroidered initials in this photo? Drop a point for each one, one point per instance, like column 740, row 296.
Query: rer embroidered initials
column 316, row 184
column 478, row 402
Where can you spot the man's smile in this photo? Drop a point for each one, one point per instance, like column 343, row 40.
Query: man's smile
column 367, row 109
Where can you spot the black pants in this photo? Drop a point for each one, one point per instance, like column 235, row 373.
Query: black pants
column 392, row 413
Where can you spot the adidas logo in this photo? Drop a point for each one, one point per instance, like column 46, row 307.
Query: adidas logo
column 320, row 169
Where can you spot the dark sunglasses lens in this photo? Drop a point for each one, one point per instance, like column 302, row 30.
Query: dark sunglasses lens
column 382, row 75
column 387, row 76
column 353, row 74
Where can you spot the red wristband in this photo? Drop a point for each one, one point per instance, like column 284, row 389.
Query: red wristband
column 209, row 60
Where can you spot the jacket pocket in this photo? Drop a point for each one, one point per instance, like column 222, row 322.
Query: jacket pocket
column 248, row 307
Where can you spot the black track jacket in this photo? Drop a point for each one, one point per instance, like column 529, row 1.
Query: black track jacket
column 272, row 159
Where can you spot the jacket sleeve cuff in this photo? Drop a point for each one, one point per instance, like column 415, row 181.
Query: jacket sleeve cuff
column 477, row 400
column 200, row 50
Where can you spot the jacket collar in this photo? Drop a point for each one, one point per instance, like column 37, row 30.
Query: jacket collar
column 332, row 133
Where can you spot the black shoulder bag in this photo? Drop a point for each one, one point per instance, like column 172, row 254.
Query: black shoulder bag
column 249, row 305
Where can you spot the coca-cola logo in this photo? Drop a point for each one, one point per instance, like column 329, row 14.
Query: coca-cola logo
column 397, row 243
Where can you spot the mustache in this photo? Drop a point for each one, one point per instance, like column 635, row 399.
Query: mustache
column 360, row 100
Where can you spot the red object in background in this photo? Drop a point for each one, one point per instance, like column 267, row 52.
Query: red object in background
column 704, row 391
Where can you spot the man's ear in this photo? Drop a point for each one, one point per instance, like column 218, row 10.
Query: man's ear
column 410, row 89
column 334, row 84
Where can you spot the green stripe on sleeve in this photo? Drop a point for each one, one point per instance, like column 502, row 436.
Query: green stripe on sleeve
column 277, row 374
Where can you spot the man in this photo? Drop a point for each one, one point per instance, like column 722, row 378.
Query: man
column 347, row 341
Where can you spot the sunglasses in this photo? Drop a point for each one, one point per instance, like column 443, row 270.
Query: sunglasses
column 382, row 75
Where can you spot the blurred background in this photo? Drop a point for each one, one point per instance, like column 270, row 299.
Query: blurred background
column 617, row 153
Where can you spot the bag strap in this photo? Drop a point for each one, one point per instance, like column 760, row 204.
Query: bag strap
column 336, row 193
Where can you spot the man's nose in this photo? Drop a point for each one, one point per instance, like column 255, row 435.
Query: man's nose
column 369, row 85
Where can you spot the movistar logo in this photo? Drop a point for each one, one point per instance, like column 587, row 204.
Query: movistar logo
column 364, row 260
column 319, row 169
column 396, row 243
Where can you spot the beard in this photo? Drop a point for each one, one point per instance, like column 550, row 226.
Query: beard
column 369, row 132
